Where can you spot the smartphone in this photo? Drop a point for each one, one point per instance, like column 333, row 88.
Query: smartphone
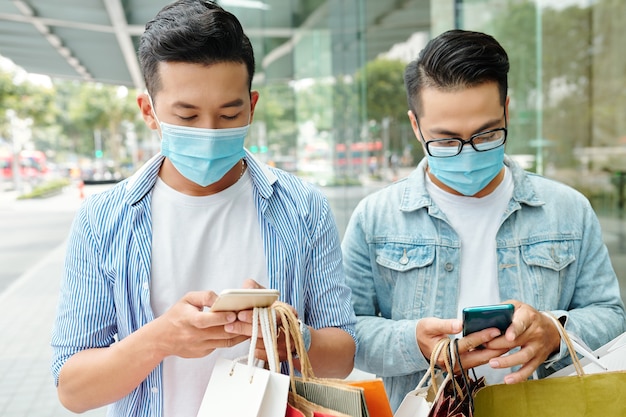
column 483, row 317
column 244, row 299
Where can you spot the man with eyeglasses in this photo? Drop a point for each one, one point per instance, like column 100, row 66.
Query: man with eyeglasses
column 469, row 227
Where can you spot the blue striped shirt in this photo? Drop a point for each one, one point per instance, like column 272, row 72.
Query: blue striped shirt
column 105, row 291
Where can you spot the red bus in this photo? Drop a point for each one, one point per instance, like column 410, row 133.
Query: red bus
column 32, row 165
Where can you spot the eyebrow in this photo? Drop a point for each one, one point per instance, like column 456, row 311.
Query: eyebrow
column 235, row 103
column 183, row 105
column 482, row 128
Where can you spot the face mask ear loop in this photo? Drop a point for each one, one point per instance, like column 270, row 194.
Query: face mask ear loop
column 154, row 113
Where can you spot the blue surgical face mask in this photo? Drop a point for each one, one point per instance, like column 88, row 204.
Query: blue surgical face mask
column 468, row 172
column 203, row 156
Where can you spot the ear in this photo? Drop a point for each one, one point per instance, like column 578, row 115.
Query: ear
column 254, row 98
column 506, row 109
column 413, row 121
column 416, row 131
column 145, row 107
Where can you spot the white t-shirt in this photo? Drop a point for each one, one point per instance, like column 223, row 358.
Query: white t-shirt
column 476, row 221
column 201, row 243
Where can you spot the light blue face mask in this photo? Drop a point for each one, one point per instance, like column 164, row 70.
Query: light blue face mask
column 203, row 156
column 468, row 172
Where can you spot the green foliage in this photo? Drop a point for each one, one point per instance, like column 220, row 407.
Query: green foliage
column 386, row 96
column 386, row 99
column 27, row 100
column 65, row 116
column 343, row 181
column 315, row 103
column 276, row 109
column 46, row 189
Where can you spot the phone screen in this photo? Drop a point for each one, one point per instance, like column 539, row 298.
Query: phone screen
column 483, row 317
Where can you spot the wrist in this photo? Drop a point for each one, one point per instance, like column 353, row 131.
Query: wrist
column 305, row 331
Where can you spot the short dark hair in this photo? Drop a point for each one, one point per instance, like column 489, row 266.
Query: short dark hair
column 194, row 31
column 453, row 60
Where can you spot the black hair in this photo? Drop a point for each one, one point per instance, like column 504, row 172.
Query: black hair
column 193, row 31
column 453, row 60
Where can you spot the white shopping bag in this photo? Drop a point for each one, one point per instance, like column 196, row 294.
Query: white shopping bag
column 610, row 357
column 235, row 389
column 418, row 402
column 245, row 390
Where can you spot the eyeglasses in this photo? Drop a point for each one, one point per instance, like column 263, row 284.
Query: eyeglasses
column 481, row 142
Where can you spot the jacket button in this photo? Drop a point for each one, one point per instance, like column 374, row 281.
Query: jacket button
column 405, row 259
column 449, row 267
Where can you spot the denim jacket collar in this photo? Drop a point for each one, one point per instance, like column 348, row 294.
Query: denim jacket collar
column 415, row 196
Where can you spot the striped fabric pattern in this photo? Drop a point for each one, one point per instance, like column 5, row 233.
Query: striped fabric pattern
column 105, row 292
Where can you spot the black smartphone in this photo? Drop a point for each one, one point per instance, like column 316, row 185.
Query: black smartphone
column 483, row 317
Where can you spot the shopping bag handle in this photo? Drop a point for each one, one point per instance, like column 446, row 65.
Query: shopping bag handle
column 431, row 372
column 464, row 375
column 291, row 327
column 265, row 318
column 568, row 342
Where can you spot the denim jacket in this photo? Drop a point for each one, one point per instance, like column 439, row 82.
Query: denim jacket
column 402, row 257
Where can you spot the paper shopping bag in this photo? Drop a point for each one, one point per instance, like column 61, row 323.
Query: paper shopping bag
column 582, row 395
column 419, row 401
column 339, row 397
column 456, row 400
column 596, row 395
column 230, row 383
column 245, row 390
column 325, row 393
column 434, row 397
column 375, row 397
column 299, row 406
column 293, row 412
column 610, row 357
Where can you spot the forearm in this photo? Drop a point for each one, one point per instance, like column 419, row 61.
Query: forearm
column 332, row 352
column 96, row 377
column 387, row 347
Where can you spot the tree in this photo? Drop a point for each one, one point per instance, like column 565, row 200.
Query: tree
column 385, row 93
column 276, row 109
column 26, row 114
column 101, row 110
column 386, row 100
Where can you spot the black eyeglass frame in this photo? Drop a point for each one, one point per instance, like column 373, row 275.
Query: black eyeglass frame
column 462, row 141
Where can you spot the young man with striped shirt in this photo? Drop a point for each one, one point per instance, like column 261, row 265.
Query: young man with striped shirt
column 146, row 258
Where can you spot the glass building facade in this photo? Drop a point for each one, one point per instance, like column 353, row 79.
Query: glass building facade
column 333, row 106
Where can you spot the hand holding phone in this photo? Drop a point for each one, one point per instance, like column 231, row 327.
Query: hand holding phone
column 244, row 299
column 479, row 318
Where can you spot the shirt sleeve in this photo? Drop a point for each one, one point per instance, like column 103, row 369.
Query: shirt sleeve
column 85, row 313
column 327, row 297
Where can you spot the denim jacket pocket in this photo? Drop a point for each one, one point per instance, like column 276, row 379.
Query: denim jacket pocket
column 546, row 271
column 407, row 278
column 404, row 257
column 554, row 255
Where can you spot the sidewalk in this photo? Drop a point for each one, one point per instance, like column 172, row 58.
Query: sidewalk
column 27, row 311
